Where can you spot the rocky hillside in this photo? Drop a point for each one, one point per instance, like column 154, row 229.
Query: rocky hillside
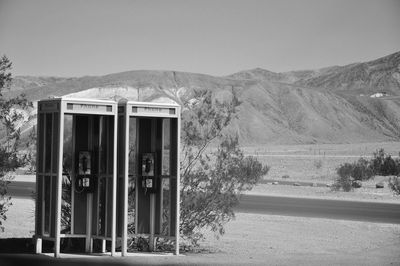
column 330, row 105
column 382, row 74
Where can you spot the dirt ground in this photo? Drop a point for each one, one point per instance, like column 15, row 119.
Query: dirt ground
column 266, row 240
column 281, row 240
column 20, row 219
column 317, row 162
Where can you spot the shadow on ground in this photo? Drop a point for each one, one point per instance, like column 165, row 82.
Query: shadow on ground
column 21, row 251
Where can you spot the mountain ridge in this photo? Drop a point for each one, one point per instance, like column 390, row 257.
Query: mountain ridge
column 328, row 105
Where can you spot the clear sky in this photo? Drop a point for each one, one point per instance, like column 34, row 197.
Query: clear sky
column 217, row 37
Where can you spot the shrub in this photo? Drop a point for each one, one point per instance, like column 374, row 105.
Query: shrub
column 345, row 170
column 389, row 167
column 377, row 161
column 212, row 181
column 350, row 174
column 343, row 182
column 360, row 170
column 383, row 164
column 10, row 156
column 394, row 184
column 318, row 164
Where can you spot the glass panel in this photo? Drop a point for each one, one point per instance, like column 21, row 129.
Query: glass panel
column 121, row 145
column 66, row 205
column 41, row 143
column 166, row 150
column 110, row 138
column 39, row 207
column 95, row 141
column 102, row 207
column 48, row 144
column 166, row 205
column 67, row 145
column 132, row 147
column 66, row 177
column 55, row 143
column 103, row 144
column 131, row 205
column 132, row 170
column 109, row 206
column 47, row 202
column 120, row 206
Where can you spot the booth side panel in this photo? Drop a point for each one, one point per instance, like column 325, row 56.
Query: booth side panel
column 54, row 171
column 174, row 173
column 120, row 206
column 109, row 171
column 143, row 197
column 95, row 167
column 109, row 206
column 173, row 207
column 158, row 218
column 39, row 202
column 80, row 205
column 120, row 173
column 39, row 176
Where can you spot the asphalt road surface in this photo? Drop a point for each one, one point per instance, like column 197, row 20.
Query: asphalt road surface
column 332, row 209
column 22, row 189
column 304, row 207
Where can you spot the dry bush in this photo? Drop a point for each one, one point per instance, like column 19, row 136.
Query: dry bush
column 394, row 184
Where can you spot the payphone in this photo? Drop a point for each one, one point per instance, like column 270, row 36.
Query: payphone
column 84, row 180
column 149, row 181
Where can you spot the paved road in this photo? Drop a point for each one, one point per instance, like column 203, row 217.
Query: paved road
column 22, row 189
column 332, row 209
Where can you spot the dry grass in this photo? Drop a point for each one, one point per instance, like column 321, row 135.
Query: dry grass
column 301, row 168
column 315, row 163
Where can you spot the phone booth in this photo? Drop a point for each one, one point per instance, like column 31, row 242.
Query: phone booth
column 148, row 169
column 76, row 179
column 107, row 173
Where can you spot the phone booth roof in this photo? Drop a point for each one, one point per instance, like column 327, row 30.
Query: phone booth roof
column 78, row 106
column 149, row 109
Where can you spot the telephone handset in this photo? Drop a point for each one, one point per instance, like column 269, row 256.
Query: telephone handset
column 84, row 180
column 148, row 175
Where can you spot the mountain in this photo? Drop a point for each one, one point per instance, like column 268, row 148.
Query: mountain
column 382, row 74
column 329, row 105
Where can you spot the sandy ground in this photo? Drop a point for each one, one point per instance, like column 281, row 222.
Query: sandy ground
column 269, row 240
column 280, row 240
column 20, row 219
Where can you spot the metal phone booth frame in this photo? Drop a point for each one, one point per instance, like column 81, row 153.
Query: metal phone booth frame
column 76, row 179
column 148, row 170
